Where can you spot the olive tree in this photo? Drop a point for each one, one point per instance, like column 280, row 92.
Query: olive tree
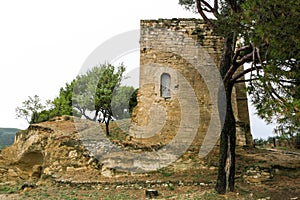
column 93, row 92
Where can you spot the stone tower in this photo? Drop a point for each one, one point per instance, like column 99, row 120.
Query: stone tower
column 179, row 61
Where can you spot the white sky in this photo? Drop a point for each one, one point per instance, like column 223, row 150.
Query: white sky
column 44, row 43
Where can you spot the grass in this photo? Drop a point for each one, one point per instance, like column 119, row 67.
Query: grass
column 67, row 193
column 8, row 190
column 211, row 196
column 165, row 173
column 119, row 196
column 171, row 186
column 46, row 176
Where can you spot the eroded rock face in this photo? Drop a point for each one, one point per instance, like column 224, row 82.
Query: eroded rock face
column 51, row 148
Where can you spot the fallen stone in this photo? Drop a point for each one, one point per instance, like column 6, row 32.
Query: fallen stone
column 151, row 193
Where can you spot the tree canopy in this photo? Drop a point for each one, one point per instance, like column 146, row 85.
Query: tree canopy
column 96, row 95
column 265, row 34
column 34, row 110
column 30, row 109
column 63, row 103
column 275, row 89
column 93, row 92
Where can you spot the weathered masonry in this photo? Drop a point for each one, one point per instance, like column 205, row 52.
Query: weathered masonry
column 178, row 60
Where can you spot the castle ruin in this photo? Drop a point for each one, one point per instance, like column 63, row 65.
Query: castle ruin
column 175, row 57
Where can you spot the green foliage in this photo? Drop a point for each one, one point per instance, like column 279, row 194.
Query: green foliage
column 30, row 109
column 123, row 101
column 46, row 176
column 37, row 112
column 171, row 186
column 277, row 97
column 275, row 23
column 281, row 141
column 88, row 93
column 165, row 172
column 275, row 91
column 260, row 142
column 63, row 103
column 84, row 91
column 8, row 190
column 42, row 116
column 108, row 81
column 188, row 4
column 93, row 92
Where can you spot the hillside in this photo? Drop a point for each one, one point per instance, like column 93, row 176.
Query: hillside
column 7, row 136
column 51, row 160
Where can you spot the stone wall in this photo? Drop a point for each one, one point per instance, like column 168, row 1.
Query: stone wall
column 190, row 53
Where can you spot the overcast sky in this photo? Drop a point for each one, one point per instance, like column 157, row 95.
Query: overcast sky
column 43, row 44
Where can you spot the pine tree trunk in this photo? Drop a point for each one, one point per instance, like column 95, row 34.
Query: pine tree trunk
column 226, row 173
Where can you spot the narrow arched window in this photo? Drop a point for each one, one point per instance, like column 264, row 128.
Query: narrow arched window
column 165, row 85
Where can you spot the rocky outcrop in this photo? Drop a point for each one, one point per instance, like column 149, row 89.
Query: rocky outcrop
column 69, row 149
column 49, row 149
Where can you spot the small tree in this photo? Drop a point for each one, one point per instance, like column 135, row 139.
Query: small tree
column 108, row 81
column 34, row 111
column 30, row 109
column 93, row 92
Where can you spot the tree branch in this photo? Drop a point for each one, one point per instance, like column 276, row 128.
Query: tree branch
column 203, row 15
column 246, row 80
column 211, row 9
column 289, row 81
column 284, row 88
column 276, row 94
column 238, row 51
column 246, row 58
column 258, row 55
column 216, row 7
column 236, row 64
column 231, row 3
column 206, row 10
column 243, row 73
column 87, row 117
